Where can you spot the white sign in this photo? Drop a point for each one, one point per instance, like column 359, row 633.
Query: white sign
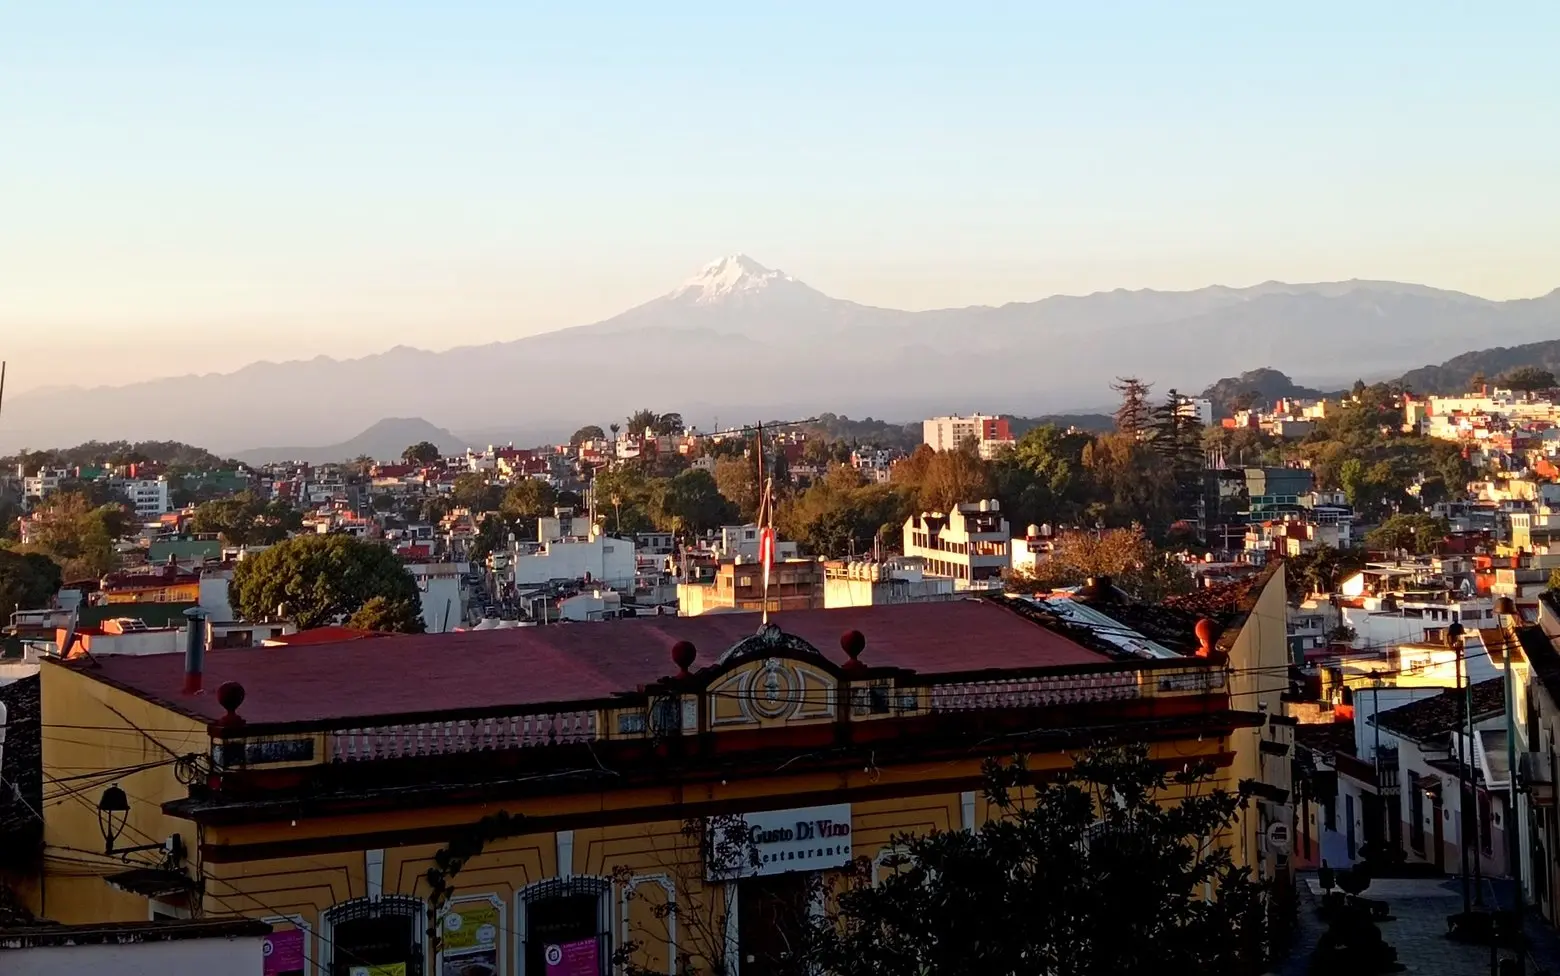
column 1278, row 838
column 778, row 841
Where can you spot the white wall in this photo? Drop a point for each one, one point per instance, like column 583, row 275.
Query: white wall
column 194, row 957
column 605, row 558
column 442, row 608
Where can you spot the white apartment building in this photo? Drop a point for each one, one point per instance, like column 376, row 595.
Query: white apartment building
column 148, row 496
column 566, row 555
column 45, row 482
column 741, row 542
column 1199, row 409
column 990, row 433
column 970, row 544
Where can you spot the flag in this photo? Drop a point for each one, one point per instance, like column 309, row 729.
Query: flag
column 766, row 553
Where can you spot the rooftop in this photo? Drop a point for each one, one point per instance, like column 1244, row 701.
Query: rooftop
column 1431, row 717
column 409, row 674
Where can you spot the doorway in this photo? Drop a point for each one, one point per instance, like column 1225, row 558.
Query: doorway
column 771, row 916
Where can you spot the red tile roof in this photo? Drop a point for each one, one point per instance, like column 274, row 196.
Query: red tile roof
column 401, row 674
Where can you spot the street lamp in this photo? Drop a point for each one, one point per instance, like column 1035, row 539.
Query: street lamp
column 113, row 811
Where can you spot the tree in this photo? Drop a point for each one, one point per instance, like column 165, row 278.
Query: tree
column 590, row 432
column 27, row 581
column 527, row 500
column 952, row 477
column 245, row 520
column 692, row 503
column 77, row 535
column 396, row 616
column 474, row 491
column 1127, row 556
column 1415, row 533
column 641, row 421
column 839, row 515
column 737, row 479
column 1526, row 379
column 423, row 452
column 1132, row 417
column 314, row 580
column 1105, row 870
column 1132, row 483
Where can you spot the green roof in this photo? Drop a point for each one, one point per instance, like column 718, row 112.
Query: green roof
column 152, row 614
column 184, row 550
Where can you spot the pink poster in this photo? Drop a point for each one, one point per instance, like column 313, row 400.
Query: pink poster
column 581, row 958
column 283, row 953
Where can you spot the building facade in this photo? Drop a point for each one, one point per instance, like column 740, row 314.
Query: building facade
column 990, row 434
column 547, row 792
column 972, row 544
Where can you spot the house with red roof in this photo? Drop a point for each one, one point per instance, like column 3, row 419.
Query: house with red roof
column 412, row 801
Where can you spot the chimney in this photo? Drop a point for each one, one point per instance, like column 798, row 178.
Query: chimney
column 194, row 649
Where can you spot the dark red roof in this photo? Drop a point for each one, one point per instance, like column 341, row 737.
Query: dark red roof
column 324, row 635
column 401, row 674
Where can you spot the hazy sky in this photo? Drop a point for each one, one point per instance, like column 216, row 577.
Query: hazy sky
column 189, row 186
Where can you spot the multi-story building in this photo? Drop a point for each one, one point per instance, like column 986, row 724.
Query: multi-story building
column 572, row 771
column 869, row 583
column 970, row 544
column 1199, row 409
column 148, row 496
column 738, row 585
column 43, row 483
column 990, row 434
column 741, row 542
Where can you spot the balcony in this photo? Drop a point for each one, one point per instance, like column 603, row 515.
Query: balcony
column 654, row 715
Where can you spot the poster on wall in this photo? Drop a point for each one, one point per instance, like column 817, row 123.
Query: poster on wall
column 471, row 940
column 383, row 969
column 582, row 958
column 282, row 953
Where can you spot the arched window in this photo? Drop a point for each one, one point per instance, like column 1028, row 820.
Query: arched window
column 370, row 932
column 565, row 915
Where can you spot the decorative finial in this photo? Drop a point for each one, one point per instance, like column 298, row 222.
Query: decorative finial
column 230, row 695
column 853, row 643
column 1207, row 632
column 683, row 655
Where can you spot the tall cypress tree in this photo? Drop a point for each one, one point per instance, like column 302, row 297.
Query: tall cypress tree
column 1134, row 416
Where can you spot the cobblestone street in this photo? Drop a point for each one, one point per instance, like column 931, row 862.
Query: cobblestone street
column 1418, row 931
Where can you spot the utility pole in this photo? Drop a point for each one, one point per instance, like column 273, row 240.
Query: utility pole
column 1462, row 784
column 1506, row 609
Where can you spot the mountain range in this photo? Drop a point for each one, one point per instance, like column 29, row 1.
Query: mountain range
column 741, row 341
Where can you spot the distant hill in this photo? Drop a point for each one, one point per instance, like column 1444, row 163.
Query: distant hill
column 1257, row 386
column 384, row 441
column 739, row 340
column 1094, row 423
column 1454, row 375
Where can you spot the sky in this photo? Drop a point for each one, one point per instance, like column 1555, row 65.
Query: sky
column 187, row 187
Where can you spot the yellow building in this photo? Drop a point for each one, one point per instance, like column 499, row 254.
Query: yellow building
column 568, row 783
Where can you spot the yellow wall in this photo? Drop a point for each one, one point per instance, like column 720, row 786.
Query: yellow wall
column 179, row 593
column 1259, row 661
column 90, row 731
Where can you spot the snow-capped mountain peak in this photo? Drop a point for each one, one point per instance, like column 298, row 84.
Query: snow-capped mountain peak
column 733, row 276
